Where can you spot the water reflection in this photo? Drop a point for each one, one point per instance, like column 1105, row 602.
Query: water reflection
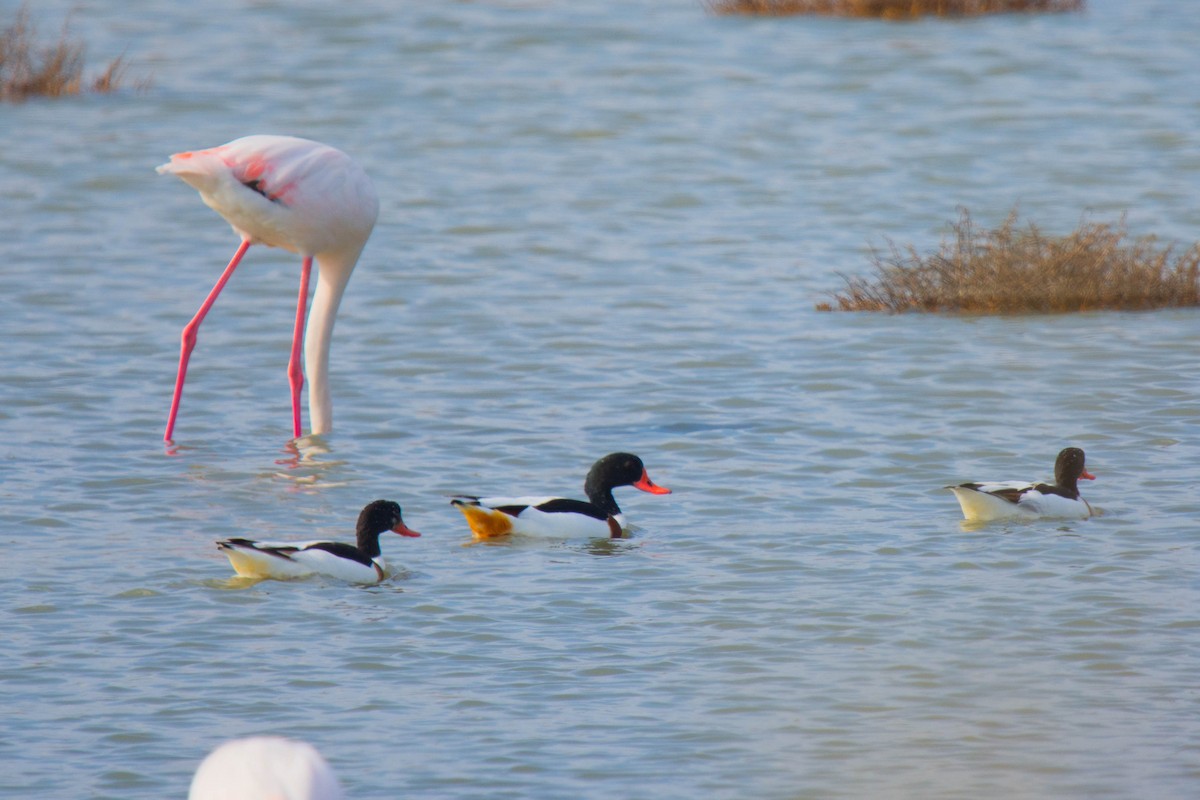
column 306, row 466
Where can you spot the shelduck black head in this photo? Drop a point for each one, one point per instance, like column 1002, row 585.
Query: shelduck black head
column 620, row 469
column 380, row 516
column 1069, row 467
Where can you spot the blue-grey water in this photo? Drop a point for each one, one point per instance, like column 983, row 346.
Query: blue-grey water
column 604, row 227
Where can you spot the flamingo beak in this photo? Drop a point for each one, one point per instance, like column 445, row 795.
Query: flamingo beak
column 404, row 530
column 1088, row 476
column 646, row 485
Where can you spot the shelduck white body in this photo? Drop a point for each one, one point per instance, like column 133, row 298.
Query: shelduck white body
column 549, row 517
column 560, row 517
column 303, row 196
column 363, row 563
column 262, row 767
column 982, row 502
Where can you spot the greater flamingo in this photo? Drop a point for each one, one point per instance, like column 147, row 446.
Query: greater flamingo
column 303, row 196
column 265, row 767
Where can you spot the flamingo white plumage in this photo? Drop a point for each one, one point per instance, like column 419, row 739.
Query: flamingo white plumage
column 305, row 197
column 262, row 767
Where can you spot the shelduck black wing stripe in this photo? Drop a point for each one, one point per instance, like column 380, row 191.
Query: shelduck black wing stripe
column 341, row 550
column 1046, row 488
column 250, row 544
column 279, row 552
column 512, row 511
column 563, row 505
column 1011, row 495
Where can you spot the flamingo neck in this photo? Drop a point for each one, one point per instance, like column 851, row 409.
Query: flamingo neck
column 333, row 273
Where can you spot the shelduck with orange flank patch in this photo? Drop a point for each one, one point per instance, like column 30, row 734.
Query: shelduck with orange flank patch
column 558, row 517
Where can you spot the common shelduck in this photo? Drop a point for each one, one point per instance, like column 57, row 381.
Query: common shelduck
column 987, row 501
column 265, row 767
column 560, row 517
column 361, row 564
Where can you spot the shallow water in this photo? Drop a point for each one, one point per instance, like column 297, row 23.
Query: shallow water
column 603, row 227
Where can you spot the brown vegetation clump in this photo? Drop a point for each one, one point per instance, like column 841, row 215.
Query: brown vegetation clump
column 1013, row 270
column 29, row 69
column 889, row 9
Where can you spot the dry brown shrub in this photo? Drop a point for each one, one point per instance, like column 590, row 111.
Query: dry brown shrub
column 889, row 9
column 29, row 69
column 1019, row 270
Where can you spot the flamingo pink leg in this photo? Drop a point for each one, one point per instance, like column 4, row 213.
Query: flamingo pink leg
column 295, row 372
column 188, row 339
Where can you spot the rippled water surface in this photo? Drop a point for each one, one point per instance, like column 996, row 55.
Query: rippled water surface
column 604, row 227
